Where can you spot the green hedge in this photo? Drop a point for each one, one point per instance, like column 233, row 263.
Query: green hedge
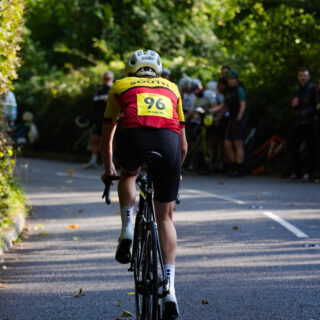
column 11, row 24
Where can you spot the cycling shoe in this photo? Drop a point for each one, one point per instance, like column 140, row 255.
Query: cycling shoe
column 123, row 254
column 170, row 307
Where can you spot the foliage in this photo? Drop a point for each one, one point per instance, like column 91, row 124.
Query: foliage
column 69, row 43
column 11, row 12
column 12, row 197
column 11, row 21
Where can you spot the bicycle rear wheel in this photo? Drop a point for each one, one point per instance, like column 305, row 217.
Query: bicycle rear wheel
column 138, row 253
column 150, row 280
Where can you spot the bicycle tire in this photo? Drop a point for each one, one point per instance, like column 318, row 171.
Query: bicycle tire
column 150, row 300
column 138, row 256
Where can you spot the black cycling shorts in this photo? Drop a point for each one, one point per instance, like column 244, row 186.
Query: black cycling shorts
column 134, row 142
column 235, row 129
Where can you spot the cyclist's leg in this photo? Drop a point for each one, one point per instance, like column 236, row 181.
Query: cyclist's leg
column 166, row 230
column 130, row 163
column 168, row 242
column 166, row 183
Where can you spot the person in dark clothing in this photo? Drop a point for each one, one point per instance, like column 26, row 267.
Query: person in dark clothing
column 99, row 105
column 317, row 135
column 304, row 102
column 235, row 104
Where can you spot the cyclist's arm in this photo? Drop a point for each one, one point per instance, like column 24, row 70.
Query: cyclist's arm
column 183, row 144
column 183, row 139
column 106, row 147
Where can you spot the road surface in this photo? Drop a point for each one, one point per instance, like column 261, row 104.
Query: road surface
column 248, row 249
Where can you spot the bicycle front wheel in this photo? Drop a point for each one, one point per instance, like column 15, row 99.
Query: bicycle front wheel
column 150, row 296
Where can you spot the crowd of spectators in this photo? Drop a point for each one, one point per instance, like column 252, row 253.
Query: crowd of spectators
column 225, row 99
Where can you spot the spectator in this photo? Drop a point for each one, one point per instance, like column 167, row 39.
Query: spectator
column 99, row 105
column 187, row 95
column 203, row 98
column 10, row 107
column 304, row 102
column 166, row 73
column 235, row 103
column 317, row 132
column 224, row 71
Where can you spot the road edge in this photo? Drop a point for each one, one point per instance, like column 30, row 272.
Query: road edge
column 8, row 237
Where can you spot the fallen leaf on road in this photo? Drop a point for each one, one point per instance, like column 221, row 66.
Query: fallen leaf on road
column 131, row 293
column 235, row 228
column 73, row 226
column 118, row 304
column 39, row 226
column 80, row 293
column 127, row 313
column 43, row 234
column 204, row 301
column 4, row 267
column 76, row 239
column 80, row 210
column 71, row 171
column 69, row 181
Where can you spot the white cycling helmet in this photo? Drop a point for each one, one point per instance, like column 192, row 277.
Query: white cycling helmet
column 142, row 63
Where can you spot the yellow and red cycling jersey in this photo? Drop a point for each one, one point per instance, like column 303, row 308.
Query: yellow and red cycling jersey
column 145, row 102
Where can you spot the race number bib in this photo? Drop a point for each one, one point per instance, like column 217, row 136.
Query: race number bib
column 149, row 104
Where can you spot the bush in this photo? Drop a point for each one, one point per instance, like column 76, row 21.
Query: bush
column 11, row 23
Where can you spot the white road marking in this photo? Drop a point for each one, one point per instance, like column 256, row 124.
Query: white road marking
column 77, row 175
column 297, row 232
column 213, row 195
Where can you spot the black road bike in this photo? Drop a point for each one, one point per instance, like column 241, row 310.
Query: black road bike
column 146, row 260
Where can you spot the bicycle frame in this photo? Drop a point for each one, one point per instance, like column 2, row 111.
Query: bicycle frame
column 144, row 216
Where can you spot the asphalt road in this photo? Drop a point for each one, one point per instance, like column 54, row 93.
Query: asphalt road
column 250, row 247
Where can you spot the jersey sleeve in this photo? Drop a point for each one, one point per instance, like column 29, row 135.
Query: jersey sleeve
column 113, row 108
column 242, row 94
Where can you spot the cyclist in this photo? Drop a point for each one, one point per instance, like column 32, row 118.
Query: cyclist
column 152, row 119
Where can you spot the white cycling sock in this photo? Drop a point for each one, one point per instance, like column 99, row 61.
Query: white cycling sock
column 126, row 219
column 169, row 271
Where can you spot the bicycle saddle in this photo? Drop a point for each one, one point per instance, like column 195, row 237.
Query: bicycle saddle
column 152, row 156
